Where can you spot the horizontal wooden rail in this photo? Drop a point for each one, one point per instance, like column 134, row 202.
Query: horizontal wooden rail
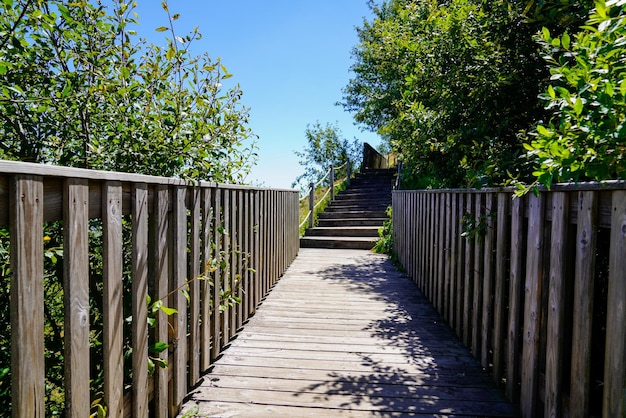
column 193, row 246
column 535, row 286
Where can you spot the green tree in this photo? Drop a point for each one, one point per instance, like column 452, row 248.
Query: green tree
column 451, row 84
column 78, row 88
column 325, row 147
column 585, row 137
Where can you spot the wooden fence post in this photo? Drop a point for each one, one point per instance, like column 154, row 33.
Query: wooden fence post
column 532, row 306
column 614, row 402
column 76, row 296
column 27, row 307
column 112, row 264
column 583, row 308
column 332, row 183
column 139, row 305
column 311, row 205
column 161, row 260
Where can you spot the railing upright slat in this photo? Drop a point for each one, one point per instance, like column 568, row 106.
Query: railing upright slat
column 614, row 402
column 27, row 306
column 532, row 307
column 206, row 337
column 459, row 267
column 556, row 304
column 583, row 308
column 479, row 269
column 178, row 320
column 232, row 256
column 488, row 284
column 256, row 286
column 216, row 315
column 516, row 299
column 194, row 288
column 240, row 253
column 139, row 304
column 503, row 229
column 76, row 296
column 161, row 260
column 452, row 249
column 112, row 266
column 468, row 277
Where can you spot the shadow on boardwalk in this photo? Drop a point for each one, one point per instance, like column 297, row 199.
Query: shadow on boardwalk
column 345, row 334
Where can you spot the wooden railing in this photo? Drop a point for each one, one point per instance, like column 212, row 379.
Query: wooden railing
column 535, row 286
column 372, row 158
column 205, row 239
column 318, row 204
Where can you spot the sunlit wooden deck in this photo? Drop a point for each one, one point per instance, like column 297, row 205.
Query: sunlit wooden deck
column 344, row 333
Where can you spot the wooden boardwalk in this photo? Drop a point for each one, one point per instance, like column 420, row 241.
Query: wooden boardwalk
column 344, row 333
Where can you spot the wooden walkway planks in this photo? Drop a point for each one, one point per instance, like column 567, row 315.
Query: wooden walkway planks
column 343, row 333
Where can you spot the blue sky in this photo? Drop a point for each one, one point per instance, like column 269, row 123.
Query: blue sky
column 291, row 59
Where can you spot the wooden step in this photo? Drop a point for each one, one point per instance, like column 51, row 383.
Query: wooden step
column 342, row 231
column 351, row 222
column 353, row 214
column 352, row 243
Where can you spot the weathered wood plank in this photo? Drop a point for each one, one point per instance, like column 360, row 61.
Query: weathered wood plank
column 161, row 260
column 112, row 268
column 440, row 251
column 27, row 305
column 139, row 305
column 225, row 272
column 478, row 275
column 207, row 253
column 400, row 357
column 76, row 296
column 614, row 402
column 453, row 225
column 194, row 287
column 532, row 306
column 488, row 285
column 503, row 229
column 468, row 277
column 583, row 308
column 516, row 301
column 556, row 308
column 216, row 316
column 447, row 253
column 460, row 264
column 178, row 321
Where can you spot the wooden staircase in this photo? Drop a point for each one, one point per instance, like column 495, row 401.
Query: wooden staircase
column 352, row 220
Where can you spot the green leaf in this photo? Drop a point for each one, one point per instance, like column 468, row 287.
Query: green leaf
column 171, row 52
column 578, row 106
column 158, row 347
column 551, row 92
column 161, row 28
column 162, row 363
column 541, row 130
column 168, row 311
column 565, row 40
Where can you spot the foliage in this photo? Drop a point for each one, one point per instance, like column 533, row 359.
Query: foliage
column 450, row 84
column 384, row 244
column 326, row 147
column 584, row 139
column 77, row 88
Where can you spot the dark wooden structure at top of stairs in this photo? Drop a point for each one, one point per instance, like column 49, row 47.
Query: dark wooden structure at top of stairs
column 352, row 220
